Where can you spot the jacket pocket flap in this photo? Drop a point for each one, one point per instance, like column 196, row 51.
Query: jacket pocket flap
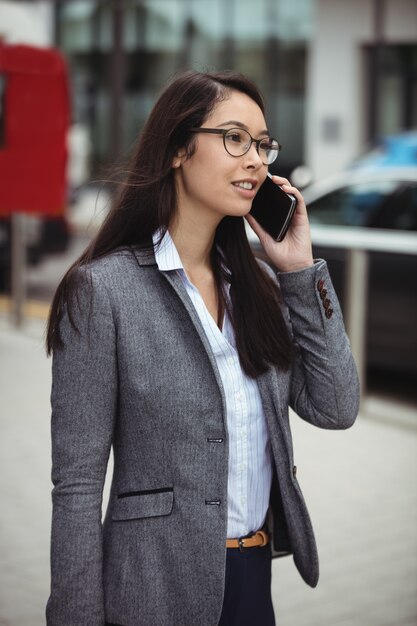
column 135, row 505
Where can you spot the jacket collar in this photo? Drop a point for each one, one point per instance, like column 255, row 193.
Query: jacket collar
column 161, row 252
column 144, row 256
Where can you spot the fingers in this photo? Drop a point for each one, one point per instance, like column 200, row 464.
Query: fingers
column 280, row 180
column 288, row 188
column 258, row 230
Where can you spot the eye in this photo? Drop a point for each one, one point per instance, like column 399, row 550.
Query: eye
column 235, row 136
column 267, row 144
column 270, row 148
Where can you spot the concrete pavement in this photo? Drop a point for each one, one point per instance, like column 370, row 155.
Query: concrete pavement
column 360, row 485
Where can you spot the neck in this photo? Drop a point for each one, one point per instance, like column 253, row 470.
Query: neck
column 194, row 241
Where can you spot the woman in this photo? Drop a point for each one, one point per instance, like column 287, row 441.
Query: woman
column 176, row 347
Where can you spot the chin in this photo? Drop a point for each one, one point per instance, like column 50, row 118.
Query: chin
column 242, row 212
column 239, row 210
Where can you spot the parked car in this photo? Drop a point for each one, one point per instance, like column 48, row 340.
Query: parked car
column 398, row 150
column 384, row 199
column 381, row 198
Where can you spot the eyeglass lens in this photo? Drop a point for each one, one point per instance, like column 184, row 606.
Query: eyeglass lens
column 238, row 141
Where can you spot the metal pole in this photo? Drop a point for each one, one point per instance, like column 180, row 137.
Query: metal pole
column 118, row 67
column 376, row 68
column 18, row 262
column 356, row 308
column 57, row 20
column 272, row 60
column 228, row 60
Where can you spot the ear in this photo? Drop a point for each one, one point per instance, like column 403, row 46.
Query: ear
column 178, row 159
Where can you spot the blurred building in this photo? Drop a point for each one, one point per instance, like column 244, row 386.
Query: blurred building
column 27, row 22
column 362, row 78
column 336, row 73
column 266, row 39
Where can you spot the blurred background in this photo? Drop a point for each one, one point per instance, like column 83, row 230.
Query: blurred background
column 77, row 81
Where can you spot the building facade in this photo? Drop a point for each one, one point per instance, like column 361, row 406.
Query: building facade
column 336, row 73
column 132, row 47
column 362, row 78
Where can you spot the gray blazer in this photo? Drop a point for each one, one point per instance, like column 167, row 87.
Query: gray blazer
column 140, row 376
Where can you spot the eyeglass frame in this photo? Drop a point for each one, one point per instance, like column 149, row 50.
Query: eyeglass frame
column 224, row 131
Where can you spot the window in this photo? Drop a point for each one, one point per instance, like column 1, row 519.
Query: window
column 398, row 211
column 392, row 76
column 356, row 205
column 266, row 40
column 386, row 204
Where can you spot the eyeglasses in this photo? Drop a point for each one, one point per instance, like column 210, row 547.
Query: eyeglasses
column 238, row 142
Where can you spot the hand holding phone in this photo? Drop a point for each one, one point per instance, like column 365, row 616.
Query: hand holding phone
column 273, row 209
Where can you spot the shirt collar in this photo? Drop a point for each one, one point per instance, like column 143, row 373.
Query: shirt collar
column 167, row 257
column 166, row 254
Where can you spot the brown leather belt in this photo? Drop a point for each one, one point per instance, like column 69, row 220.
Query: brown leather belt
column 258, row 539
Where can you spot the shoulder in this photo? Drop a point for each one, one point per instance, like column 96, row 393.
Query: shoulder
column 112, row 278
column 120, row 266
column 113, row 263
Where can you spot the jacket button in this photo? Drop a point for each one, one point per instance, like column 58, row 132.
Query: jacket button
column 294, row 471
column 326, row 303
column 320, row 285
column 323, row 293
column 328, row 313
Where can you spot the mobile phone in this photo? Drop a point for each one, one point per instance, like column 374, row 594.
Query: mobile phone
column 273, row 209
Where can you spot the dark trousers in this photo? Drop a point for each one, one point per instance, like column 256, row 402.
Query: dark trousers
column 247, row 599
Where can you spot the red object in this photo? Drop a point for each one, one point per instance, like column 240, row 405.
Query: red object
column 34, row 122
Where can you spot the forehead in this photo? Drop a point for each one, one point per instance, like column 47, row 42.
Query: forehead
column 239, row 107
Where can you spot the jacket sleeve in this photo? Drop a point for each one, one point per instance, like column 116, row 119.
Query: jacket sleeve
column 324, row 387
column 83, row 399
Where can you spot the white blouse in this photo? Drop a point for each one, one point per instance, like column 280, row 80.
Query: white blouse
column 250, row 459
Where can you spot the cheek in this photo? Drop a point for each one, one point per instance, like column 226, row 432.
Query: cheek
column 196, row 182
column 204, row 172
column 207, row 172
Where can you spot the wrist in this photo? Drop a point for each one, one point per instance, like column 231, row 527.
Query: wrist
column 296, row 267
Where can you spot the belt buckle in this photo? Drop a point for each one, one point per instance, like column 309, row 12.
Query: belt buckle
column 240, row 541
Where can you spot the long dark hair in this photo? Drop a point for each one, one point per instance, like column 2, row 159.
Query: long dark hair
column 146, row 201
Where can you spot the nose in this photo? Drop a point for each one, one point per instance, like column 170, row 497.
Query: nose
column 253, row 160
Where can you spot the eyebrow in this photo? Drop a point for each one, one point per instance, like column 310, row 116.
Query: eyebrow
column 240, row 125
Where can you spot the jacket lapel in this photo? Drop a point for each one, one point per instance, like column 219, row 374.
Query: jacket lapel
column 147, row 257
